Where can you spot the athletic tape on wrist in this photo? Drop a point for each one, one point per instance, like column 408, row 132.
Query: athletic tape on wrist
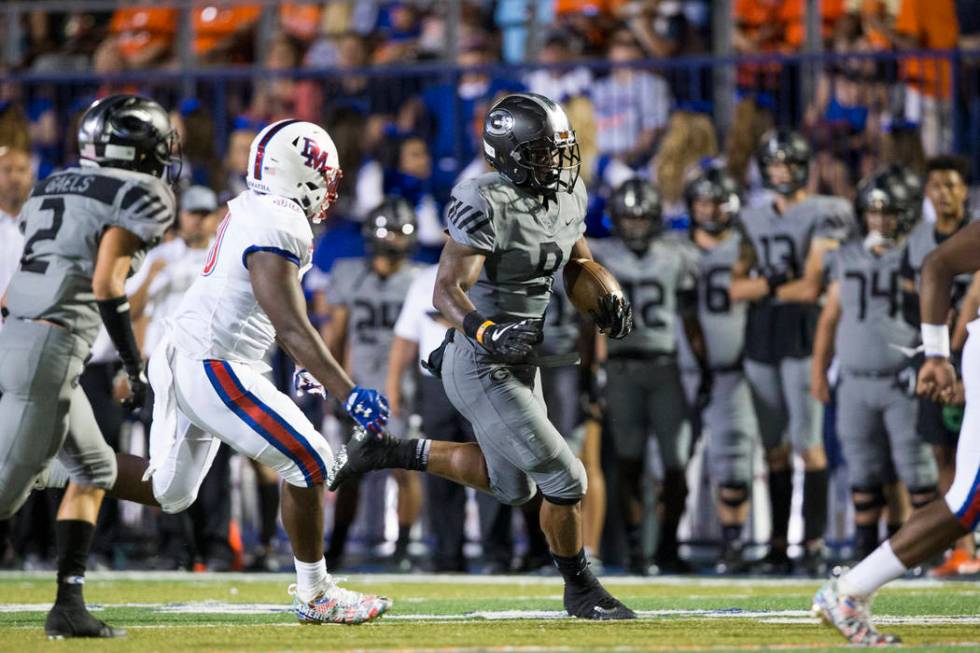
column 935, row 340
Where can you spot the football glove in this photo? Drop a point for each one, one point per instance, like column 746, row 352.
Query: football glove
column 512, row 341
column 615, row 316
column 367, row 407
column 137, row 392
column 305, row 384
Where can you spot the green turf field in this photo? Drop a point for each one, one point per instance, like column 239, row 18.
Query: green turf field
column 472, row 613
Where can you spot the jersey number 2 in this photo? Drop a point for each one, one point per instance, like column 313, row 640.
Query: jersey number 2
column 27, row 262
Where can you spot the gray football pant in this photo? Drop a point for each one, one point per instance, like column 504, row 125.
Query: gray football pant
column 505, row 405
column 730, row 420
column 783, row 405
column 876, row 423
column 39, row 370
column 560, row 386
column 644, row 396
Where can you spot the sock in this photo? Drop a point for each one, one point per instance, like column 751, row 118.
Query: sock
column 73, row 538
column 404, row 538
column 674, row 497
column 814, row 504
column 881, row 567
column 780, row 498
column 731, row 533
column 409, row 454
column 269, row 507
column 311, row 579
column 865, row 540
column 574, row 569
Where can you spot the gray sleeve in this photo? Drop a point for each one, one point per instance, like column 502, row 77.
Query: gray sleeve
column 836, row 221
column 146, row 208
column 470, row 217
column 831, row 265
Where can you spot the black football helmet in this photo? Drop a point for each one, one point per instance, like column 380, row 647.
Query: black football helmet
column 637, row 213
column 789, row 147
column 131, row 133
column 527, row 138
column 715, row 184
column 391, row 229
column 914, row 191
column 879, row 193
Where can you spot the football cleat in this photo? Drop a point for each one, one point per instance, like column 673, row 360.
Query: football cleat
column 64, row 622
column 850, row 615
column 592, row 601
column 337, row 605
column 363, row 453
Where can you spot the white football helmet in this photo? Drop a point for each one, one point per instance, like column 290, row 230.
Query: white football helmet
column 296, row 160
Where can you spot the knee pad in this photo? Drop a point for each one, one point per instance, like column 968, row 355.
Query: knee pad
column 573, row 488
column 515, row 497
column 733, row 495
column 173, row 498
column 875, row 497
column 920, row 496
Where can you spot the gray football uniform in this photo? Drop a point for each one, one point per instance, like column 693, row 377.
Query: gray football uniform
column 40, row 362
column 729, row 416
column 644, row 390
column 374, row 303
column 779, row 342
column 560, row 383
column 526, row 244
column 876, row 414
column 920, row 242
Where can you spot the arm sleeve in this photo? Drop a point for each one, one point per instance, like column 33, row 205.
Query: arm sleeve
column 146, row 209
column 470, row 218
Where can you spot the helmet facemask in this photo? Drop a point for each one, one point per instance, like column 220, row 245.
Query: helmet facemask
column 317, row 212
column 552, row 163
column 636, row 230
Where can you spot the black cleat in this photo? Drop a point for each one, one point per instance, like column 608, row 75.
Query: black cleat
column 363, row 453
column 64, row 622
column 776, row 563
column 732, row 560
column 592, row 601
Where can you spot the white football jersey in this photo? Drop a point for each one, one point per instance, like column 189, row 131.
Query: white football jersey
column 219, row 317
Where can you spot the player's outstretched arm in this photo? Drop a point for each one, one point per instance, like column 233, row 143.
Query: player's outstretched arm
column 278, row 292
column 112, row 265
column 958, row 255
column 823, row 344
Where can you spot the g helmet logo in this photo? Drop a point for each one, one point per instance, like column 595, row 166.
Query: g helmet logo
column 500, row 122
column 315, row 157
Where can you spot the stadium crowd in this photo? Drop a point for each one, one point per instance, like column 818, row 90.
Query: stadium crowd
column 405, row 139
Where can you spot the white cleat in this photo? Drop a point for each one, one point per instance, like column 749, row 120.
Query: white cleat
column 337, row 605
column 850, row 615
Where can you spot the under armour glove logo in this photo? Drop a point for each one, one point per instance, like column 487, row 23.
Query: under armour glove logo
column 305, row 384
column 615, row 316
column 512, row 340
column 369, row 408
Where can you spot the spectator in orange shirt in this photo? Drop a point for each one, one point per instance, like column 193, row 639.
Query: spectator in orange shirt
column 222, row 34
column 300, row 21
column 143, row 36
column 933, row 25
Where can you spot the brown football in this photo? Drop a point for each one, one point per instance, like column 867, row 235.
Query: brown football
column 586, row 281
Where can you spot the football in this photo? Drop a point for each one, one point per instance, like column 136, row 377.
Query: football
column 586, row 281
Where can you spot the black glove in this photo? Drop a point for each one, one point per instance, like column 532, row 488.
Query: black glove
column 137, row 392
column 512, row 341
column 776, row 276
column 615, row 316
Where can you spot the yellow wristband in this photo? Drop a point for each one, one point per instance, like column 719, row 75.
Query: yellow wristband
column 482, row 329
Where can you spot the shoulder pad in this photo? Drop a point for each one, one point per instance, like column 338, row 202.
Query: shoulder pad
column 146, row 208
column 470, row 217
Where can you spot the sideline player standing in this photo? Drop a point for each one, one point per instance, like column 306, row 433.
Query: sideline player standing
column 861, row 323
column 84, row 227
column 713, row 204
column 845, row 602
column 365, row 296
column 511, row 232
column 644, row 391
column 780, row 270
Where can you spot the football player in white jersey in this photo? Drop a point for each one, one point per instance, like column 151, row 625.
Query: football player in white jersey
column 844, row 602
column 207, row 372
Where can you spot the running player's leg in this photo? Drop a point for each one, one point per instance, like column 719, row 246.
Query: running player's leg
column 730, row 420
column 806, row 437
column 770, row 408
column 859, row 427
column 668, row 414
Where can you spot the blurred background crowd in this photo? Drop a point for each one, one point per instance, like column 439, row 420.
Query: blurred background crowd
column 652, row 87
